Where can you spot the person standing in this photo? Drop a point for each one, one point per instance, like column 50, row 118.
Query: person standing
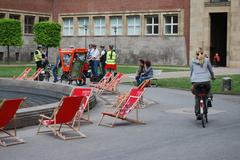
column 38, row 57
column 95, row 60
column 55, row 68
column 216, row 60
column 103, row 59
column 111, row 60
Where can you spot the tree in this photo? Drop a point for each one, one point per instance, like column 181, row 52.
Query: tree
column 10, row 34
column 47, row 34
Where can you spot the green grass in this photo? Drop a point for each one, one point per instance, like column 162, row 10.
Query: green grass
column 16, row 69
column 127, row 69
column 184, row 83
column 10, row 71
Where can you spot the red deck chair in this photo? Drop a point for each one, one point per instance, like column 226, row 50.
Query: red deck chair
column 123, row 96
column 24, row 74
column 8, row 109
column 35, row 74
column 124, row 108
column 112, row 85
column 63, row 115
column 86, row 92
column 103, row 81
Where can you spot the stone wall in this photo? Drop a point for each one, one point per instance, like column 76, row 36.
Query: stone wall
column 160, row 50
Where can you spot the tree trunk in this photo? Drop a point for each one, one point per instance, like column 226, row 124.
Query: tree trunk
column 47, row 52
column 8, row 55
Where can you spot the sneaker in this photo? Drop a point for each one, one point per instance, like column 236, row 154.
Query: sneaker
column 55, row 81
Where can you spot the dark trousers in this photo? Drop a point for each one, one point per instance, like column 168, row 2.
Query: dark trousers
column 38, row 64
column 103, row 68
column 200, row 88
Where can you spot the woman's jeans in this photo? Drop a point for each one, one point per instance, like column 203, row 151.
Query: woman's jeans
column 140, row 79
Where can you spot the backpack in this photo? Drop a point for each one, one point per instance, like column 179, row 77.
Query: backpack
column 104, row 57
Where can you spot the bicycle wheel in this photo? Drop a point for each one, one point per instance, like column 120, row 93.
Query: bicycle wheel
column 206, row 117
column 203, row 120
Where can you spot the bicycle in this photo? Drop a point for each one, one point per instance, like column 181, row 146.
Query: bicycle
column 202, row 97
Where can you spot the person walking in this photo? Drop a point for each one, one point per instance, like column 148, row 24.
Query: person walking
column 103, row 59
column 38, row 57
column 111, row 60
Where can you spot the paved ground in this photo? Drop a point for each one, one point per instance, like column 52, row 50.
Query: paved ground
column 171, row 133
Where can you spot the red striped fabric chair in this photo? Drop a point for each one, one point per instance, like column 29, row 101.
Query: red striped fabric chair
column 129, row 103
column 8, row 109
column 87, row 93
column 63, row 115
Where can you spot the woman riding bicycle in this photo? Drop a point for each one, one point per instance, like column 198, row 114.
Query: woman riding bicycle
column 201, row 74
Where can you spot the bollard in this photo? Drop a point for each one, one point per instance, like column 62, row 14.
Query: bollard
column 226, row 84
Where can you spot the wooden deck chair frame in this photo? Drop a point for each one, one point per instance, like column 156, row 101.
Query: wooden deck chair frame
column 35, row 74
column 24, row 74
column 87, row 93
column 11, row 117
column 56, row 127
column 103, row 81
column 112, row 85
column 116, row 112
column 123, row 96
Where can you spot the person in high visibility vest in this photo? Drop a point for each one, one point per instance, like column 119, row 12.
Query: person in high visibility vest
column 111, row 60
column 38, row 57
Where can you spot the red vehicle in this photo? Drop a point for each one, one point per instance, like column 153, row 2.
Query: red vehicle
column 72, row 61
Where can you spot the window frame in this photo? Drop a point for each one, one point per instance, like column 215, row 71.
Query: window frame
column 151, row 24
column 82, row 26
column 69, row 27
column 171, row 24
column 118, row 25
column 101, row 26
column 27, row 24
column 43, row 19
column 134, row 26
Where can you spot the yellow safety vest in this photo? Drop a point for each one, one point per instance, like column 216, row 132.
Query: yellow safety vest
column 109, row 59
column 38, row 57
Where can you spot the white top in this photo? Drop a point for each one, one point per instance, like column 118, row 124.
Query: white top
column 103, row 52
column 95, row 54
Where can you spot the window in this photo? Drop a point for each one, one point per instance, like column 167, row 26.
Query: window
column 14, row 16
column 17, row 56
column 116, row 25
column 171, row 25
column 83, row 23
column 67, row 26
column 28, row 24
column 134, row 26
column 43, row 19
column 2, row 15
column 99, row 26
column 1, row 56
column 152, row 25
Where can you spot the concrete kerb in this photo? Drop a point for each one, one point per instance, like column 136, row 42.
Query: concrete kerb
column 29, row 116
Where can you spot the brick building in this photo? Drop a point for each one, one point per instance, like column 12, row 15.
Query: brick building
column 152, row 29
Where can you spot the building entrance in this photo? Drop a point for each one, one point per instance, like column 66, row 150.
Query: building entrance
column 218, row 42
